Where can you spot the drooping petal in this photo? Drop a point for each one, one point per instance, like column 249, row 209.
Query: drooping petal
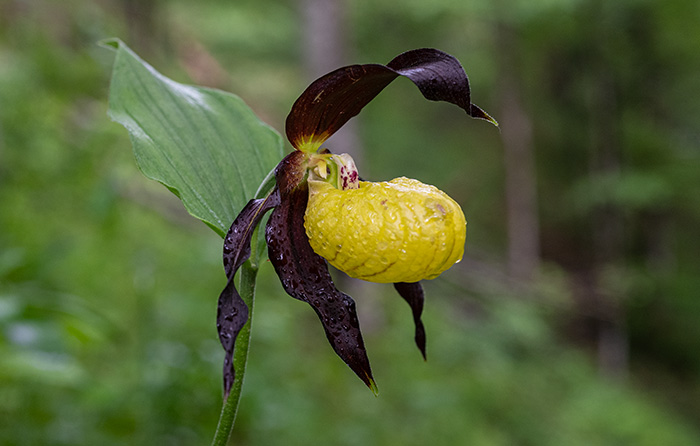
column 232, row 311
column 304, row 275
column 330, row 101
column 413, row 294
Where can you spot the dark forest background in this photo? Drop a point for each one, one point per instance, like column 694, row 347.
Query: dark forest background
column 573, row 319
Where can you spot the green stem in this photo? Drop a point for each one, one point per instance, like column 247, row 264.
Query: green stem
column 227, row 418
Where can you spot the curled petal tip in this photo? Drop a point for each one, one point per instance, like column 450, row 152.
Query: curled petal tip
column 372, row 386
column 476, row 112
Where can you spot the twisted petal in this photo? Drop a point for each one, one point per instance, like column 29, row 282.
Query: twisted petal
column 304, row 275
column 330, row 101
column 232, row 312
column 413, row 294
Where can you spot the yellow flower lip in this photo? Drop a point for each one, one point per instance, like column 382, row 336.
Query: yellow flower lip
column 387, row 232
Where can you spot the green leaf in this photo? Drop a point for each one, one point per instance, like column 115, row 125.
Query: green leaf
column 205, row 145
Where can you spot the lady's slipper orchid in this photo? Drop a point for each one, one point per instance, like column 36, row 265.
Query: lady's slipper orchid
column 400, row 232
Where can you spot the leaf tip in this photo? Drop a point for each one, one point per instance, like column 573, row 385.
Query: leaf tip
column 111, row 43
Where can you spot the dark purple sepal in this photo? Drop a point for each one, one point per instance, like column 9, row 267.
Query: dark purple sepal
column 413, row 294
column 304, row 276
column 440, row 77
column 331, row 100
column 232, row 311
column 291, row 172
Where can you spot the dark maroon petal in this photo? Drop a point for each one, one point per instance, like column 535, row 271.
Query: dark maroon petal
column 440, row 77
column 330, row 101
column 304, row 275
column 413, row 294
column 232, row 311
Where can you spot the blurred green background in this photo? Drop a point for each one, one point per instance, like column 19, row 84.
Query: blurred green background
column 573, row 319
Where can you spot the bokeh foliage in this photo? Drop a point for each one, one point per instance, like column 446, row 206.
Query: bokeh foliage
column 108, row 288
